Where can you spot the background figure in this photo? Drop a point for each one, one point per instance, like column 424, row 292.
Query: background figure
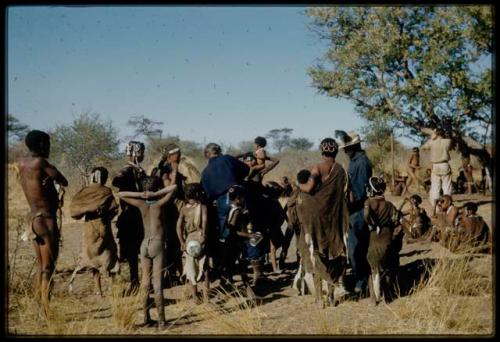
column 359, row 171
column 441, row 171
column 413, row 167
column 129, row 222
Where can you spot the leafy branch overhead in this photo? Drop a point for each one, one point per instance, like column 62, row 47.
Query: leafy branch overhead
column 411, row 67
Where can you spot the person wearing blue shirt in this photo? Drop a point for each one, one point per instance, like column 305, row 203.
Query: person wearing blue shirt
column 359, row 171
column 222, row 172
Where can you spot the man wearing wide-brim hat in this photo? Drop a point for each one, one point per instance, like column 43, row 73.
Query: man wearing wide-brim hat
column 358, row 171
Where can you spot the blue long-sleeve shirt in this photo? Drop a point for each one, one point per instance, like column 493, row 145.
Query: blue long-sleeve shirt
column 359, row 171
column 221, row 173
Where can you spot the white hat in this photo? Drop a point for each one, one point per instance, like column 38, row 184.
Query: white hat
column 347, row 139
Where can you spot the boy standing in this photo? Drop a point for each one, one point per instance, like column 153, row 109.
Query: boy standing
column 150, row 203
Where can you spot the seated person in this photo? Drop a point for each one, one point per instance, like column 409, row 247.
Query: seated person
column 415, row 221
column 444, row 225
column 400, row 187
column 473, row 231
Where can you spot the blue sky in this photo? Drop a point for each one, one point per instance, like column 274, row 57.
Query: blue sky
column 223, row 74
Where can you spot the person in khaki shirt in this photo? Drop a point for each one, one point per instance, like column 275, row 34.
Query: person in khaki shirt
column 439, row 148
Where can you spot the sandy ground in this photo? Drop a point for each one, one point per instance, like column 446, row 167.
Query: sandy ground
column 281, row 311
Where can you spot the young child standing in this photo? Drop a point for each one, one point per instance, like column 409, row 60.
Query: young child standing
column 192, row 233
column 150, row 203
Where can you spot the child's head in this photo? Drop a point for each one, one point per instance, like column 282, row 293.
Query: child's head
column 260, row 142
column 150, row 183
column 193, row 191
column 135, row 149
column 376, row 186
column 236, row 195
column 99, row 175
column 471, row 208
column 329, row 147
column 285, row 180
column 172, row 153
column 38, row 142
column 416, row 200
column 445, row 202
column 415, row 150
column 303, row 176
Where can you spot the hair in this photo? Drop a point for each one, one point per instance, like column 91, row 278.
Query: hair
column 303, row 176
column 151, row 183
column 440, row 132
column 329, row 147
column 35, row 140
column 213, row 148
column 261, row 141
column 99, row 175
column 133, row 147
column 376, row 186
column 193, row 191
column 236, row 191
column 415, row 149
column 471, row 206
column 285, row 179
column 170, row 147
column 416, row 199
column 446, row 196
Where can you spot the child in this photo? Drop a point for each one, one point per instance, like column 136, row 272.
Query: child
column 418, row 223
column 192, row 226
column 150, row 203
column 467, row 175
column 444, row 225
column 261, row 157
column 473, row 230
column 243, row 239
column 400, row 187
column 37, row 178
column 385, row 242
column 97, row 204
column 413, row 166
column 427, row 180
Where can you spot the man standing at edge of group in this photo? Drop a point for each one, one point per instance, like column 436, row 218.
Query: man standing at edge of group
column 129, row 222
column 221, row 173
column 441, row 171
column 37, row 178
column 359, row 172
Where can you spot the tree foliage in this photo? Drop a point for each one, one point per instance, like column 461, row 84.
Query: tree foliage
column 411, row 67
column 145, row 127
column 280, row 137
column 85, row 143
column 301, row 144
column 16, row 130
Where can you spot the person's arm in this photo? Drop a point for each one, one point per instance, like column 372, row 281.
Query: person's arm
column 165, row 190
column 167, row 194
column 132, row 198
column 311, row 182
column 54, row 173
column 270, row 166
column 179, row 227
column 426, row 145
column 204, row 223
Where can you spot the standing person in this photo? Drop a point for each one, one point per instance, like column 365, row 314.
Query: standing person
column 129, row 222
column 152, row 246
column 192, row 226
column 441, row 171
column 359, row 172
column 97, row 204
column 37, row 178
column 222, row 172
column 168, row 170
column 324, row 218
column 413, row 167
column 467, row 175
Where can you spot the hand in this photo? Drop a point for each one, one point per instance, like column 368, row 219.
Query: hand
column 147, row 194
column 183, row 246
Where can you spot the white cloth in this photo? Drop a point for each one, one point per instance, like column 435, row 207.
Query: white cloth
column 440, row 179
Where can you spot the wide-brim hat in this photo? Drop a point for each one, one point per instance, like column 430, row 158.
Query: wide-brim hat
column 347, row 139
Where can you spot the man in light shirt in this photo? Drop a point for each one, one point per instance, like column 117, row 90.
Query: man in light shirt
column 439, row 148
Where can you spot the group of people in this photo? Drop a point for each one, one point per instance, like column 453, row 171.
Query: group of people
column 439, row 147
column 219, row 224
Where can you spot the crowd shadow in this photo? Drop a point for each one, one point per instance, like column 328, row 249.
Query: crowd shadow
column 414, row 273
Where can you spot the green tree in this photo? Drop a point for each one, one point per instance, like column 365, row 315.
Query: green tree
column 85, row 143
column 280, row 137
column 301, row 144
column 16, row 130
column 414, row 68
column 145, row 127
